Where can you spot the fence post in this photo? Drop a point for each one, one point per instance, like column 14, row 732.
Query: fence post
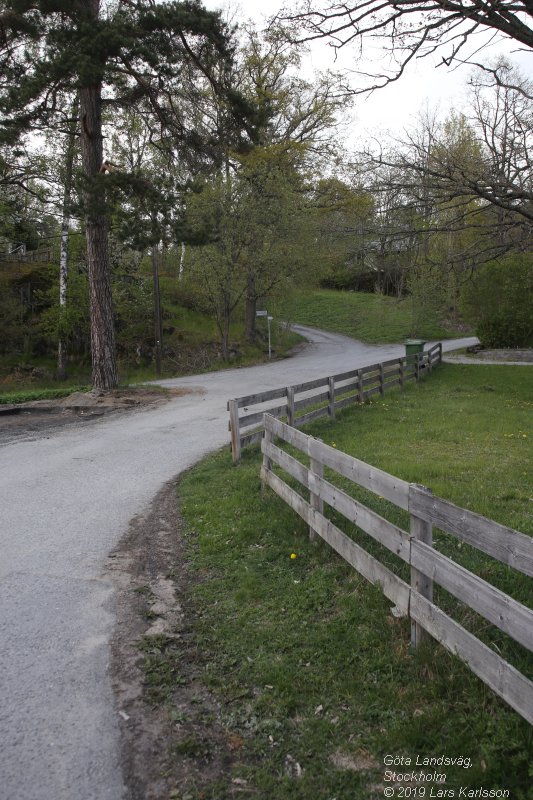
column 268, row 437
column 381, row 379
column 360, row 391
column 233, row 408
column 331, row 399
column 440, row 352
column 316, row 468
column 417, row 366
column 290, row 406
column 421, row 531
column 401, row 370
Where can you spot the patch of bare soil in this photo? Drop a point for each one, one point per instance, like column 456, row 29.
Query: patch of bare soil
column 505, row 355
column 44, row 416
column 174, row 742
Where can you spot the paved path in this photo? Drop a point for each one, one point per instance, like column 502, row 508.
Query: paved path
column 65, row 502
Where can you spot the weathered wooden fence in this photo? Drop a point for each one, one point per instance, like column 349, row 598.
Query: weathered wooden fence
column 328, row 395
column 427, row 565
column 27, row 257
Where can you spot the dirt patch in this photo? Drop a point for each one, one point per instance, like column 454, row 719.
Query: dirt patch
column 45, row 416
column 505, row 355
column 174, row 742
column 476, row 355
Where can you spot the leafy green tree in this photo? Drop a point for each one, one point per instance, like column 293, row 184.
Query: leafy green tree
column 294, row 124
column 112, row 57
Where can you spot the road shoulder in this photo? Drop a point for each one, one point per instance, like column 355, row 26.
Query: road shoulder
column 173, row 741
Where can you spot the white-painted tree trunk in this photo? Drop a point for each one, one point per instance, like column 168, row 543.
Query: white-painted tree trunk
column 182, row 261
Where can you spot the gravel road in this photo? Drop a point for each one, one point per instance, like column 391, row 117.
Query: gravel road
column 66, row 498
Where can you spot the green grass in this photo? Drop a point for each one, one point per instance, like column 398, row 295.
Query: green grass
column 304, row 655
column 27, row 395
column 370, row 317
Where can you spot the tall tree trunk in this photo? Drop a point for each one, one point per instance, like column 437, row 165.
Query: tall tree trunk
column 103, row 351
column 158, row 323
column 250, row 330
column 182, row 261
column 63, row 246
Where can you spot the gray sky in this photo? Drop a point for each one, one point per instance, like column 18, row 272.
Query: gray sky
column 395, row 107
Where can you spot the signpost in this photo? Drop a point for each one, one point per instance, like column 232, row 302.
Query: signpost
column 269, row 320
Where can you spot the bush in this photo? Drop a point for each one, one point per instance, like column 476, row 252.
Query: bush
column 499, row 302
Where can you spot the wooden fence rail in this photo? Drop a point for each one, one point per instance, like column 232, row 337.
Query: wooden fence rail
column 328, row 394
column 427, row 565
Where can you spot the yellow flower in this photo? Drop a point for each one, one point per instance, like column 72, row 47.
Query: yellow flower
column 293, row 556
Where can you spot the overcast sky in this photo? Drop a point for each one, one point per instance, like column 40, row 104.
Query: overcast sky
column 396, row 106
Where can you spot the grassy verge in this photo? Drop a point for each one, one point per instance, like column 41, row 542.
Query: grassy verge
column 39, row 393
column 370, row 317
column 313, row 672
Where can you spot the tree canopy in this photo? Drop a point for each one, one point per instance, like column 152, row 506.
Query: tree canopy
column 411, row 29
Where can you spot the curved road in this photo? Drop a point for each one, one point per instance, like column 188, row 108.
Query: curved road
column 66, row 500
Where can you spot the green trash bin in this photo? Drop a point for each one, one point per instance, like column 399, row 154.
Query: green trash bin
column 412, row 348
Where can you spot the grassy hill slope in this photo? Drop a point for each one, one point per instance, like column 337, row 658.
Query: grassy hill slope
column 373, row 318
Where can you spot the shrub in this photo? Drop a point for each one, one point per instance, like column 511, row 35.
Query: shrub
column 499, row 302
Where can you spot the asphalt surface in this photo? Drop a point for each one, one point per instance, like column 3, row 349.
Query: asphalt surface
column 66, row 499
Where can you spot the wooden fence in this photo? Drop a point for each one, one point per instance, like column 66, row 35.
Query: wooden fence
column 328, row 395
column 427, row 565
column 30, row 256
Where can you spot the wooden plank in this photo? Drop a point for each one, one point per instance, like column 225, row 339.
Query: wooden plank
column 370, row 368
column 312, row 415
column 287, row 462
column 370, row 568
column 342, row 376
column 292, row 498
column 351, row 400
column 342, row 388
column 287, row 433
column 504, row 679
column 305, row 387
column 376, row 480
column 261, row 397
column 252, row 419
column 380, row 529
column 389, row 384
column 505, row 544
column 311, row 401
column 251, row 438
column 389, row 373
column 371, row 381
column 390, row 363
column 507, row 614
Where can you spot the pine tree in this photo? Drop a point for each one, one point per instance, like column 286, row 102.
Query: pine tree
column 111, row 57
